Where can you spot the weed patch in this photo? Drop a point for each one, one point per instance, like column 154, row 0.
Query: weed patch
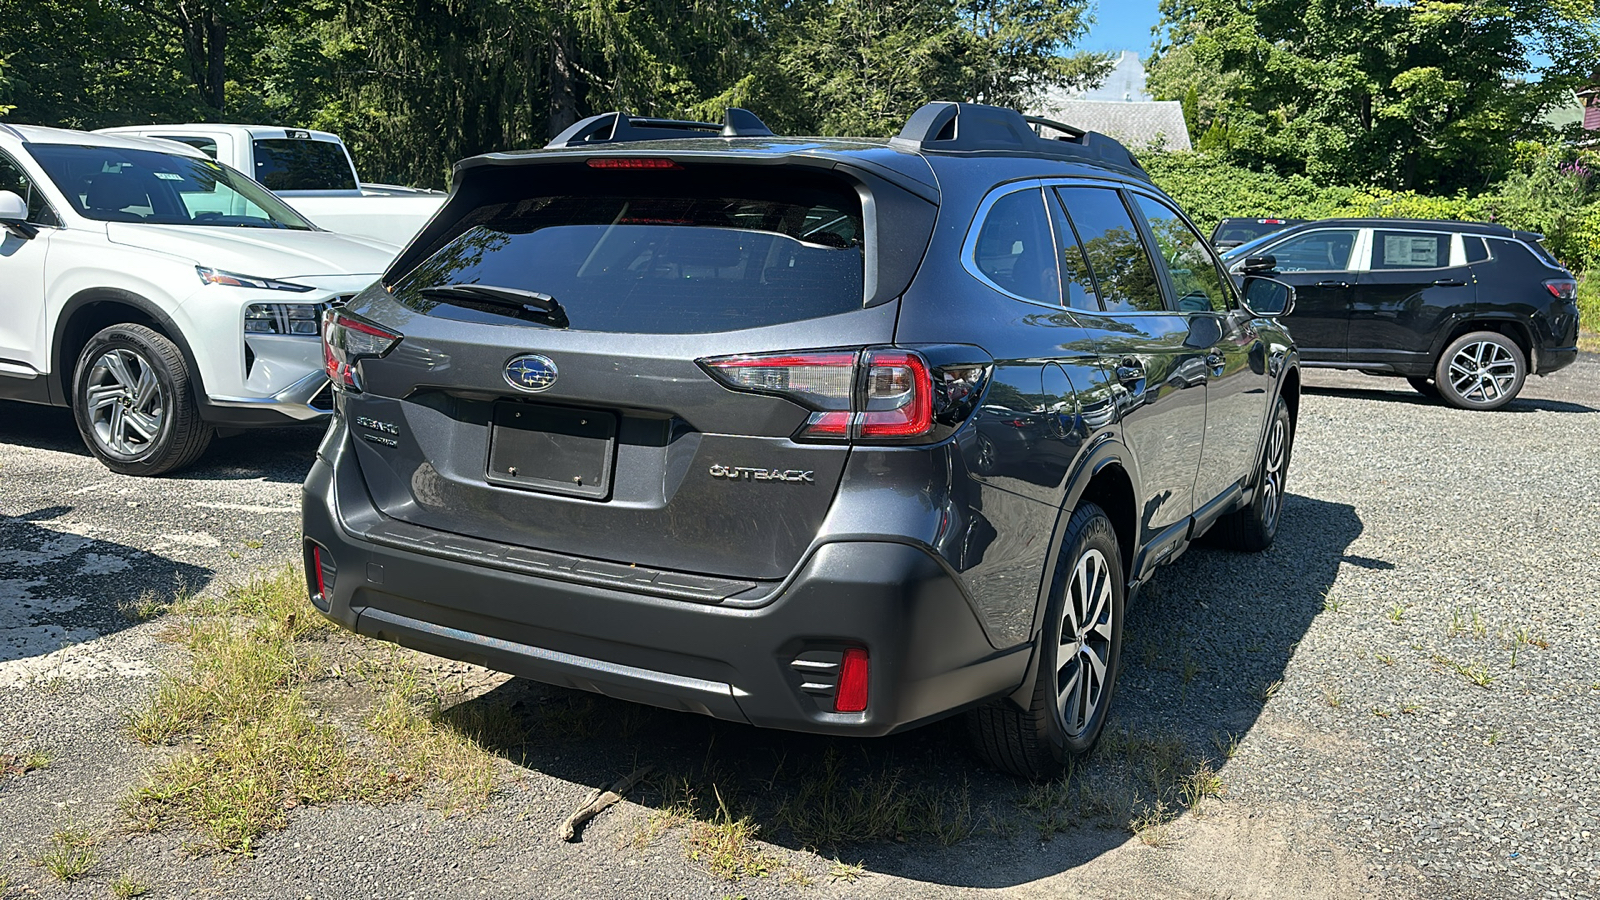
column 14, row 764
column 71, row 853
column 254, row 747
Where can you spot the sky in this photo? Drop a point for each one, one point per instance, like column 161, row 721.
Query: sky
column 1122, row 25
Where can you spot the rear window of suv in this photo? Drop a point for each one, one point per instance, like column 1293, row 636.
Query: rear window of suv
column 301, row 164
column 663, row 253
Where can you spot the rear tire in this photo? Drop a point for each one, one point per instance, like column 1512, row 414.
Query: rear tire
column 1077, row 652
column 1483, row 370
column 1425, row 387
column 1253, row 528
column 134, row 404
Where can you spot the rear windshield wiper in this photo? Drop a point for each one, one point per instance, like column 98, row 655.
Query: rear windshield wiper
column 516, row 300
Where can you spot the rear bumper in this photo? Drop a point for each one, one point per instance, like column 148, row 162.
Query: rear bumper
column 1554, row 359
column 928, row 653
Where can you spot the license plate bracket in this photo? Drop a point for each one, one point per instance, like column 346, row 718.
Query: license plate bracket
column 553, row 449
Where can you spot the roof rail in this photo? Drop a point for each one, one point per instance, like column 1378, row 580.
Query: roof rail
column 619, row 127
column 948, row 127
column 14, row 133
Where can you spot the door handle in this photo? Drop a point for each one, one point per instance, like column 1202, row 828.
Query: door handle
column 1215, row 360
column 1130, row 370
column 1333, row 284
column 1450, row 282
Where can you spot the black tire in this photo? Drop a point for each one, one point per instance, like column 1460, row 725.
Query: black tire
column 1253, row 528
column 1036, row 742
column 134, row 403
column 1425, row 387
column 1483, row 370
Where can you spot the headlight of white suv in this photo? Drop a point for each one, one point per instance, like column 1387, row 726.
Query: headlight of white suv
column 217, row 276
column 283, row 318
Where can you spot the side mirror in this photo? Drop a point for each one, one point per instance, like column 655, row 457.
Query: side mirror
column 1266, row 298
column 1258, row 264
column 14, row 215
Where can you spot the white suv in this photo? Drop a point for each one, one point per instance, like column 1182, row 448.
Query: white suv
column 160, row 294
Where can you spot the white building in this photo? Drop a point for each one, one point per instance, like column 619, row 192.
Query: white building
column 1121, row 108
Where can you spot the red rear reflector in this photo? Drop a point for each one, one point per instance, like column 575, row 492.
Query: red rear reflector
column 612, row 162
column 852, row 696
column 316, row 566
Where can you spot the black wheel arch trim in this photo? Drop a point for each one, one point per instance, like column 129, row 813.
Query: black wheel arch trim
column 60, row 378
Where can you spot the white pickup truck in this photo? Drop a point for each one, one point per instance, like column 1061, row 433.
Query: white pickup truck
column 312, row 172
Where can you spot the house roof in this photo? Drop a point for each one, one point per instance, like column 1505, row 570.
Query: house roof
column 1146, row 125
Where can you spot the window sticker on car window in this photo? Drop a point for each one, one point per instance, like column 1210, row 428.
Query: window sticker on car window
column 1410, row 251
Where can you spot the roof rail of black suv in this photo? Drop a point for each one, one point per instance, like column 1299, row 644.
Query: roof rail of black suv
column 948, row 127
column 617, row 127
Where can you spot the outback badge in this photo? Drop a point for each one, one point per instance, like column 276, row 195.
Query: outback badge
column 531, row 372
column 744, row 473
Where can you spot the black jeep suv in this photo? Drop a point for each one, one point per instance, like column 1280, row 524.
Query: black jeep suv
column 829, row 435
column 1464, row 311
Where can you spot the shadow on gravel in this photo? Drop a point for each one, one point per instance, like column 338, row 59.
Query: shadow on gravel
column 1520, row 405
column 59, row 589
column 279, row 455
column 1206, row 643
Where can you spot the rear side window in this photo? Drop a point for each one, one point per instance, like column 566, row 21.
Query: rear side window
column 661, row 254
column 1316, row 251
column 203, row 144
column 1015, row 250
column 299, row 164
column 1115, row 252
column 1196, row 280
column 1410, row 250
column 1477, row 252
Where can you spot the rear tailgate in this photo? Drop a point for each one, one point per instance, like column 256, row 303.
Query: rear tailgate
column 584, row 423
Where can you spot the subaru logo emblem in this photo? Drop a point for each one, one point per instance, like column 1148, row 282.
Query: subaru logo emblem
column 531, row 372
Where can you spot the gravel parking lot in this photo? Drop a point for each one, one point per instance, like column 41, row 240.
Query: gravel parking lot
column 1401, row 698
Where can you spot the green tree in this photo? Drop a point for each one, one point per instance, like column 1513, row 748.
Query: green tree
column 1424, row 94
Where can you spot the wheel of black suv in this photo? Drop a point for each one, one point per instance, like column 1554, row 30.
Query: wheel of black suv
column 1425, row 387
column 1254, row 527
column 1077, row 656
column 1481, row 370
column 134, row 404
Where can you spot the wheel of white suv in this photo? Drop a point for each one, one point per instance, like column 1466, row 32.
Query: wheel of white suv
column 1481, row 370
column 1253, row 528
column 1077, row 654
column 134, row 404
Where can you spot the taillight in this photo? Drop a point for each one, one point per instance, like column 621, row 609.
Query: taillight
column 852, row 695
column 346, row 341
column 873, row 395
column 1562, row 288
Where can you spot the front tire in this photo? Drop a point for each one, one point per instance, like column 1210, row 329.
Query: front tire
column 134, row 404
column 1483, row 370
column 1253, row 528
column 1077, row 652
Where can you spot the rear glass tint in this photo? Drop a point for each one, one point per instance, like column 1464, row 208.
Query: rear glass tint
column 299, row 164
column 664, row 254
column 1476, row 251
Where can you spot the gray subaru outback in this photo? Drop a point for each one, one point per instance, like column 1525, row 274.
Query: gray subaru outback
column 830, row 435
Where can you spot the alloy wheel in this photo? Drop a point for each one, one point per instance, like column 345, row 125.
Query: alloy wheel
column 1272, row 475
column 1483, row 371
column 126, row 402
column 1084, row 654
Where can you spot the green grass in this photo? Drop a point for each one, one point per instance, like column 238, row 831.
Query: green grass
column 127, row 886
column 1589, row 303
column 14, row 764
column 257, row 748
column 71, row 853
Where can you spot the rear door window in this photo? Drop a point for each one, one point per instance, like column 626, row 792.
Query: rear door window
column 303, row 164
column 1015, row 249
column 1114, row 249
column 1196, row 279
column 1477, row 252
column 674, row 255
column 1402, row 250
column 1327, row 250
